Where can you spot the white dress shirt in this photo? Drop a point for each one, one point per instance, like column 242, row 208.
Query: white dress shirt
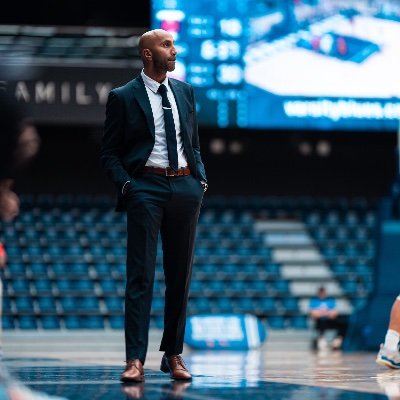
column 159, row 154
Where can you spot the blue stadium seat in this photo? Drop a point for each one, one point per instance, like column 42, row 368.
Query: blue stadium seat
column 27, row 322
column 340, row 269
column 50, row 322
column 257, row 286
column 68, row 304
column 349, row 287
column 299, row 322
column 13, row 250
column 16, row 268
column 215, row 286
column 238, row 287
column 108, row 286
column 39, row 270
column 7, row 322
column 92, row 322
column 157, row 322
column 200, row 305
column 103, row 269
column 6, row 304
column 158, row 304
column 21, row 286
column 75, row 285
column 43, row 286
column 54, row 250
column 273, row 270
column 47, row 304
column 116, row 321
column 290, row 304
column 224, row 305
column 33, row 250
column 72, row 322
column 266, row 304
column 87, row 303
column 114, row 303
column 97, row 250
column 281, row 286
column 70, row 269
column 276, row 322
column 244, row 304
column 24, row 304
column 196, row 287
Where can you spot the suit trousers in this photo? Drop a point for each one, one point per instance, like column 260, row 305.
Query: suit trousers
column 168, row 206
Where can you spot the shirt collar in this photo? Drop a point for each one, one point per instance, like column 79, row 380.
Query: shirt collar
column 152, row 84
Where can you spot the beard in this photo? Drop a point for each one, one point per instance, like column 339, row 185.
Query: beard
column 163, row 66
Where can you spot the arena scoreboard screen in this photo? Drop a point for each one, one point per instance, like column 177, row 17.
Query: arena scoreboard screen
column 288, row 64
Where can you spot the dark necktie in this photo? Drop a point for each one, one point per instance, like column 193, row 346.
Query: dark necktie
column 169, row 129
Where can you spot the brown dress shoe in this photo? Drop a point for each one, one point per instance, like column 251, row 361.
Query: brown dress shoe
column 133, row 372
column 175, row 366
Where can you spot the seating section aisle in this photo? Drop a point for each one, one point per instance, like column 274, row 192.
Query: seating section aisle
column 265, row 256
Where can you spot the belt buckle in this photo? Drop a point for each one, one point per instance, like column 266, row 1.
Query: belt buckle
column 169, row 172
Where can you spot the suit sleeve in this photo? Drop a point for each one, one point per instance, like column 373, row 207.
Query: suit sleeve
column 195, row 142
column 111, row 146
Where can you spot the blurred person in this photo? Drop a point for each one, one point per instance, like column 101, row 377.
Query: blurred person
column 9, row 201
column 19, row 143
column 150, row 151
column 28, row 144
column 10, row 118
column 323, row 312
column 389, row 352
column 3, row 256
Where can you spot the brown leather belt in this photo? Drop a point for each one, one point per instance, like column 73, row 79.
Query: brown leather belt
column 167, row 171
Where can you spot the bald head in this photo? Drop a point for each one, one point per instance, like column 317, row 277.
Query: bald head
column 149, row 39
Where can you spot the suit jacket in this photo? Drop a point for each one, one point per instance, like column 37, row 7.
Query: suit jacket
column 129, row 133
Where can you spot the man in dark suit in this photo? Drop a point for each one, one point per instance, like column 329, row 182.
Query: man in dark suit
column 150, row 150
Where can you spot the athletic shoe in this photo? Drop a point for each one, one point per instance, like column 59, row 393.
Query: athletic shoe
column 387, row 358
column 337, row 343
column 322, row 344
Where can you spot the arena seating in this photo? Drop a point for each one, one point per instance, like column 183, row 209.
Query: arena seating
column 52, row 45
column 260, row 255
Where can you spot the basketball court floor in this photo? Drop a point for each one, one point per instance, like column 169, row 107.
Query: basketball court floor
column 86, row 365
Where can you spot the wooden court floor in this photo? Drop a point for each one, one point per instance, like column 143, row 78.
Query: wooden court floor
column 86, row 365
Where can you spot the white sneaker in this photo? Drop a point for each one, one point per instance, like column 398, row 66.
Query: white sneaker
column 322, row 343
column 388, row 358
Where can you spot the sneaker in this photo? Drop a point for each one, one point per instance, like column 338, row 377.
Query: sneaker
column 387, row 358
column 322, row 344
column 337, row 343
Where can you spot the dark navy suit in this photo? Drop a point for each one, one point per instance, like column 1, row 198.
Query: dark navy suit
column 154, row 204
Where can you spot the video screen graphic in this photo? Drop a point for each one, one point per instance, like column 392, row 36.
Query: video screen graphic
column 285, row 64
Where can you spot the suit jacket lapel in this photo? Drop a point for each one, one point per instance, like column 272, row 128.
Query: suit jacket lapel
column 182, row 109
column 144, row 102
